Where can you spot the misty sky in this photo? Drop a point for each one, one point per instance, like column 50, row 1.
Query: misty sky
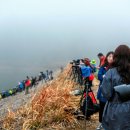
column 40, row 34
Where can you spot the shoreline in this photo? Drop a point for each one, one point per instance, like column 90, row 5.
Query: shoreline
column 19, row 99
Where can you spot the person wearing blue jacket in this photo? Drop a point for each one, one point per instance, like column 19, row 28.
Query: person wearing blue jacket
column 102, row 71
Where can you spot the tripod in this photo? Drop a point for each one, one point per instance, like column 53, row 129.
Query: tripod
column 86, row 106
column 85, row 99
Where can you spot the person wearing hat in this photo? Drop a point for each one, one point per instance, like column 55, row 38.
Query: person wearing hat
column 10, row 92
column 93, row 65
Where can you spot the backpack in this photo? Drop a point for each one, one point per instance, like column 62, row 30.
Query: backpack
column 86, row 71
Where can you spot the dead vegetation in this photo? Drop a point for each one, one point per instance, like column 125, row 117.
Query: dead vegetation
column 51, row 108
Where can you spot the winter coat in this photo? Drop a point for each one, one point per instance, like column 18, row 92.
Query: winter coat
column 116, row 114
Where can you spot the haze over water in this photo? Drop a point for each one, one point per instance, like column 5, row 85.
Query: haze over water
column 36, row 35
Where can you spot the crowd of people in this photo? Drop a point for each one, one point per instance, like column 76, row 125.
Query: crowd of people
column 28, row 83
column 113, row 92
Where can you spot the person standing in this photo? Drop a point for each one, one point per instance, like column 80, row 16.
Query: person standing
column 102, row 71
column 116, row 115
column 101, row 58
column 27, row 85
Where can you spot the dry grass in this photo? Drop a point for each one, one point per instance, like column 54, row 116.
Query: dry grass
column 51, row 108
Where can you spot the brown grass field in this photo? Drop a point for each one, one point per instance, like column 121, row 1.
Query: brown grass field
column 51, row 108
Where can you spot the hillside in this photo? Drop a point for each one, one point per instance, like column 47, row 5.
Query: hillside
column 51, row 107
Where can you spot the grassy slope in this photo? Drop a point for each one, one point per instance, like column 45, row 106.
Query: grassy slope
column 51, row 108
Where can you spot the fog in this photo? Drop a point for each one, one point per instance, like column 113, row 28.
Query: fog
column 36, row 35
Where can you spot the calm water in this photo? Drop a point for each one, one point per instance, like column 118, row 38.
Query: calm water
column 11, row 75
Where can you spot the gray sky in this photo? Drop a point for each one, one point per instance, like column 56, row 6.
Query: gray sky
column 36, row 34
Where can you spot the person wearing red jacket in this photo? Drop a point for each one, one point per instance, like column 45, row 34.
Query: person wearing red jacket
column 27, row 85
column 101, row 58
